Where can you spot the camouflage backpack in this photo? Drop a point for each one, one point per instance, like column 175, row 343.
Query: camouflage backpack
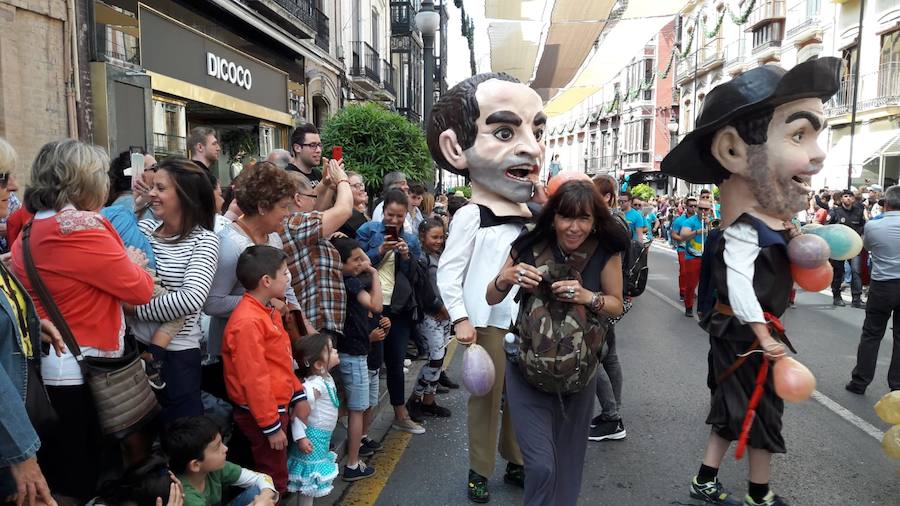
column 558, row 343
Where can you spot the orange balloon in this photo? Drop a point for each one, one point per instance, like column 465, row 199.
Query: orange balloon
column 813, row 280
column 793, row 381
column 564, row 177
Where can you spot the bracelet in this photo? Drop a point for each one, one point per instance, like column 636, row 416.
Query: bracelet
column 464, row 318
column 343, row 181
column 497, row 278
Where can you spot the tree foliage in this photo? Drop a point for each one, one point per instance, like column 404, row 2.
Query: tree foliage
column 643, row 191
column 377, row 141
column 466, row 190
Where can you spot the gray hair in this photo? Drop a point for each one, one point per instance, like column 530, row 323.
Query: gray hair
column 892, row 197
column 302, row 182
column 8, row 157
column 392, row 178
column 280, row 157
column 68, row 172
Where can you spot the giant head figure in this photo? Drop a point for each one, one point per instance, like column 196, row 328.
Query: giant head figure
column 490, row 128
column 756, row 137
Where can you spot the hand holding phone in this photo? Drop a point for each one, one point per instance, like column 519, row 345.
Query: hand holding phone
column 391, row 233
column 337, row 153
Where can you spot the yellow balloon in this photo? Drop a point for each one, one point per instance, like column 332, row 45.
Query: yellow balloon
column 888, row 408
column 891, row 442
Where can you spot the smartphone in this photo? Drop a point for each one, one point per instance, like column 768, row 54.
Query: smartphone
column 391, row 233
column 137, row 167
column 337, row 153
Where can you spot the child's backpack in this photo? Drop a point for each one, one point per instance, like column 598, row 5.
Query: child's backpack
column 558, row 343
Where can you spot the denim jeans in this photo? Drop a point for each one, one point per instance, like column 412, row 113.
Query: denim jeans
column 609, row 380
column 246, row 497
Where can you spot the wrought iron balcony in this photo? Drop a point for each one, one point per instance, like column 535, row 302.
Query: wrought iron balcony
column 388, row 81
column 322, row 31
column 299, row 10
column 804, row 18
column 166, row 144
column 365, row 62
column 766, row 10
column 735, row 52
column 403, row 17
column 766, row 45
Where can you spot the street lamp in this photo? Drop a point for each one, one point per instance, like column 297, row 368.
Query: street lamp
column 428, row 21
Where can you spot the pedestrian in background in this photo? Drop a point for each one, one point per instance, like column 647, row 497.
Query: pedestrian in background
column 882, row 240
column 851, row 214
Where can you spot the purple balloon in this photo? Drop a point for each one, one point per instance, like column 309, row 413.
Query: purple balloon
column 478, row 371
column 808, row 251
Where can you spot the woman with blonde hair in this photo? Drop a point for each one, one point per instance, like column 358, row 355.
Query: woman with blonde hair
column 89, row 274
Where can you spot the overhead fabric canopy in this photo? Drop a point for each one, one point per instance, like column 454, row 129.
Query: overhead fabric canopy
column 514, row 47
column 619, row 44
column 866, row 146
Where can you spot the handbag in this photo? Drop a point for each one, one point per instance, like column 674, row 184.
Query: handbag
column 119, row 386
column 37, row 403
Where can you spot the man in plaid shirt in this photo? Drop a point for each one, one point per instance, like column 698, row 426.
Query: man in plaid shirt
column 314, row 263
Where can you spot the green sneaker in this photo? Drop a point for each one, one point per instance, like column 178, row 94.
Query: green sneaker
column 478, row 488
column 769, row 500
column 713, row 492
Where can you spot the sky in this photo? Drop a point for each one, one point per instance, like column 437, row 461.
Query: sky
column 458, row 53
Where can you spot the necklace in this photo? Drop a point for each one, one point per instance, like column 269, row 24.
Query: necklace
column 332, row 393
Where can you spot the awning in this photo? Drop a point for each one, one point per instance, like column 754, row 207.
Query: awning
column 866, row 146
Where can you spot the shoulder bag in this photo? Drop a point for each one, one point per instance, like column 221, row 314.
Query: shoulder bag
column 122, row 394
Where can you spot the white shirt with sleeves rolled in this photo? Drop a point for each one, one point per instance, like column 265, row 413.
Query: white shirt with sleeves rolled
column 741, row 250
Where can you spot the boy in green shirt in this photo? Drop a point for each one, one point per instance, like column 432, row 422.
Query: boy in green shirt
column 197, row 455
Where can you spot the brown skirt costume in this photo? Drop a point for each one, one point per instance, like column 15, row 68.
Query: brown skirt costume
column 772, row 284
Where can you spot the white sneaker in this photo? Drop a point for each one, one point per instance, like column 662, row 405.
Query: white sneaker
column 407, row 425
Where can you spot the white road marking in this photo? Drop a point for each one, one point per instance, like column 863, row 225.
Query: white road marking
column 819, row 397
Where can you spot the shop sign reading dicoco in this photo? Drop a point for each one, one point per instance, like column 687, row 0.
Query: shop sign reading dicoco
column 220, row 68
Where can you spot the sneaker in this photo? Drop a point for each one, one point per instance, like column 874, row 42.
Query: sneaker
column 434, row 410
column 854, row 388
column 596, row 420
column 608, row 430
column 515, row 475
column 365, row 452
column 440, row 389
column 478, row 488
column 361, row 472
column 713, row 492
column 689, row 313
column 839, row 301
column 445, row 381
column 769, row 500
column 154, row 374
column 414, row 408
column 371, row 444
column 858, row 303
column 680, row 298
column 407, row 425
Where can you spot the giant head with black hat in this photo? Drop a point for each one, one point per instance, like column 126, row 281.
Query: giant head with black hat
column 490, row 127
column 756, row 137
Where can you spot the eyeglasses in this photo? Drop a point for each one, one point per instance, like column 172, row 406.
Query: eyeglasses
column 310, row 195
column 705, row 209
column 152, row 168
column 313, row 145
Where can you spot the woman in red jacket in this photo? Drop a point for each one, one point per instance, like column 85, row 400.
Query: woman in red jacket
column 89, row 274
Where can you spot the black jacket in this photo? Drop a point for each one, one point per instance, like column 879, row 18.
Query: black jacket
column 853, row 217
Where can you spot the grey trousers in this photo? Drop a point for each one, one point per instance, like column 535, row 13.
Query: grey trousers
column 609, row 380
column 552, row 434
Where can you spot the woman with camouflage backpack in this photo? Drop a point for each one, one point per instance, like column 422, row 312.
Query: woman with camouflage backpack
column 568, row 269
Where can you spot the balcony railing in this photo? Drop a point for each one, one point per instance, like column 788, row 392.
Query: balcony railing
column 322, row 31
column 685, row 67
column 304, row 10
column 876, row 89
column 711, row 52
column 735, row 51
column 766, row 45
column 607, row 162
column 403, row 17
column 804, row 15
column 365, row 62
column 165, row 144
column 388, row 81
column 766, row 10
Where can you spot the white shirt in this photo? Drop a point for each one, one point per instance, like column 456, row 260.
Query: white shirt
column 471, row 260
column 410, row 224
column 741, row 250
column 323, row 414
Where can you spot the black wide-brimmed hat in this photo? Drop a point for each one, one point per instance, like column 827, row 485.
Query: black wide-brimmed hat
column 767, row 86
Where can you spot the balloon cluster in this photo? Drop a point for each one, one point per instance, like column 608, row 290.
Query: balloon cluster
column 809, row 253
column 888, row 409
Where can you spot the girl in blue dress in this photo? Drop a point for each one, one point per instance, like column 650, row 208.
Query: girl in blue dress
column 311, row 465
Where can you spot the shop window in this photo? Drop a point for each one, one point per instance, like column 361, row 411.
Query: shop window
column 891, row 171
column 118, row 34
column 266, row 139
column 169, row 128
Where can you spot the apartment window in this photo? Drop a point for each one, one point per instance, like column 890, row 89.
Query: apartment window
column 890, row 47
column 169, row 128
column 266, row 139
column 357, row 15
column 117, row 34
column 376, row 35
column 646, row 131
column 850, row 57
column 770, row 33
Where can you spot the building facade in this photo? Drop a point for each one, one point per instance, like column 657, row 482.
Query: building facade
column 623, row 129
column 366, row 51
column 790, row 32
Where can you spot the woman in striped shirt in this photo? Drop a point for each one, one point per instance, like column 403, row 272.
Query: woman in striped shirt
column 186, row 250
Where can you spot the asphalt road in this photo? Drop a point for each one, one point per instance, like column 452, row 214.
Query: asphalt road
column 833, row 455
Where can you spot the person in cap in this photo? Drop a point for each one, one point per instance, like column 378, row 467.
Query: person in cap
column 756, row 139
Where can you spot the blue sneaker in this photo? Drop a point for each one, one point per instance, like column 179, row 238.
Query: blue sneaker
column 361, row 472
